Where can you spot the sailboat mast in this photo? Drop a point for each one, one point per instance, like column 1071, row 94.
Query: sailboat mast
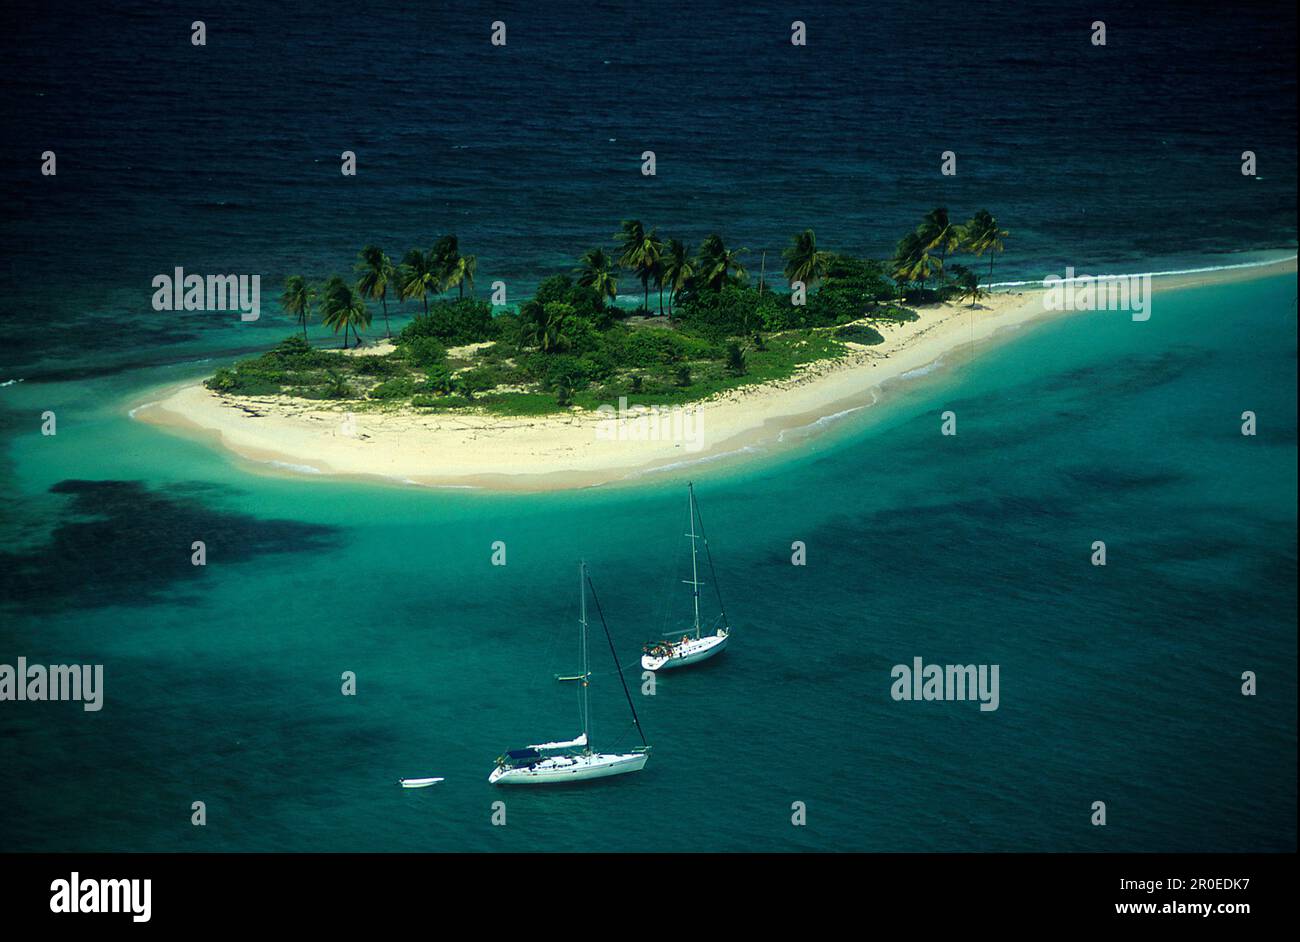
column 713, row 573
column 636, row 720
column 695, row 574
column 584, row 705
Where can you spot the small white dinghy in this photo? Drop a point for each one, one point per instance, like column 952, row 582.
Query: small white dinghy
column 572, row 760
column 694, row 646
column 418, row 782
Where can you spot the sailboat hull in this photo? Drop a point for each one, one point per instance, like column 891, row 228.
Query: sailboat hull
column 558, row 770
column 688, row 652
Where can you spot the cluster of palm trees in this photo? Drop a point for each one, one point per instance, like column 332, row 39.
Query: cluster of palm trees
column 435, row 271
column 342, row 307
column 667, row 263
column 664, row 263
column 922, row 253
column 420, row 274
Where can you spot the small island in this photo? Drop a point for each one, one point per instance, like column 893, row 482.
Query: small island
column 469, row 390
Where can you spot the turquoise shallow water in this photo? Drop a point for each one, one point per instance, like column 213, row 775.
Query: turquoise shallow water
column 1118, row 684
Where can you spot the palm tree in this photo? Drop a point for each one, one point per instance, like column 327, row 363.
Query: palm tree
column 452, row 268
column 376, row 272
column 418, row 276
column 546, row 324
column 555, row 317
column 596, row 271
column 640, row 252
column 678, row 269
column 981, row 234
column 461, row 273
column 967, row 284
column 657, row 273
column 912, row 260
column 297, row 299
column 803, row 261
column 717, row 265
column 361, row 316
column 938, row 233
column 341, row 307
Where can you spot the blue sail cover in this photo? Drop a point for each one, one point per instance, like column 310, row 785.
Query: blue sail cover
column 521, row 754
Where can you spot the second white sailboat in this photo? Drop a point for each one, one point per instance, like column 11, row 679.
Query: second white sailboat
column 696, row 645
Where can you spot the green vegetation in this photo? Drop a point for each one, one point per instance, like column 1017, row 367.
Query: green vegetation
column 859, row 333
column 570, row 345
column 654, row 364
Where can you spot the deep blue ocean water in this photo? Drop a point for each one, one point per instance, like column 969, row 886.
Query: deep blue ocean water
column 1118, row 684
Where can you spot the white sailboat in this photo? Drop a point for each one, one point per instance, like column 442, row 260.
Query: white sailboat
column 694, row 646
column 573, row 760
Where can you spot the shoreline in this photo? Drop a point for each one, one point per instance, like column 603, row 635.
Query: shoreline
column 564, row 451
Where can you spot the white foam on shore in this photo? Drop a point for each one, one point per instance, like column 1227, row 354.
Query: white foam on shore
column 922, row 370
column 1042, row 283
column 827, row 419
column 816, row 423
column 300, row 468
column 686, row 463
